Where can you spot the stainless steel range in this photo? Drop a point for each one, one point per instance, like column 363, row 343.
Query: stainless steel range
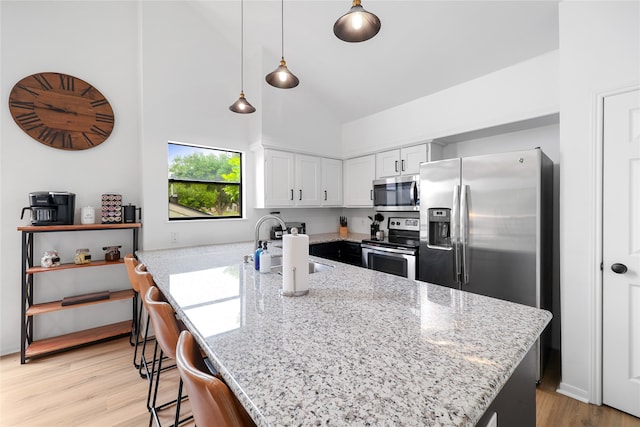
column 397, row 253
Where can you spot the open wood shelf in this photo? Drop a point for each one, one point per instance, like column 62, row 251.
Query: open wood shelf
column 97, row 263
column 78, row 227
column 61, row 342
column 29, row 309
column 51, row 306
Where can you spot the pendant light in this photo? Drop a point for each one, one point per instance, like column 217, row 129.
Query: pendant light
column 281, row 77
column 242, row 106
column 357, row 25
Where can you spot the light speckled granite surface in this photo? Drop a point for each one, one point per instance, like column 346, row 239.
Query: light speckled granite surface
column 362, row 348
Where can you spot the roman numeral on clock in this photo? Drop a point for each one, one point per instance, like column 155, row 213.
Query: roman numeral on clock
column 104, row 118
column 48, row 135
column 99, row 102
column 22, row 104
column 66, row 140
column 96, row 129
column 44, row 83
column 86, row 91
column 26, row 89
column 29, row 120
column 67, row 82
column 86, row 138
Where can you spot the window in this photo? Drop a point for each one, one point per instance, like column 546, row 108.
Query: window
column 204, row 183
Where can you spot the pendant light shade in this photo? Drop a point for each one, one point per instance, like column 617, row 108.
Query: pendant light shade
column 281, row 77
column 357, row 25
column 242, row 106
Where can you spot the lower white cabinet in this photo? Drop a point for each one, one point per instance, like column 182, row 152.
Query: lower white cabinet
column 358, row 176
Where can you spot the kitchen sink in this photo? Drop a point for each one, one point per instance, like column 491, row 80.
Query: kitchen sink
column 314, row 267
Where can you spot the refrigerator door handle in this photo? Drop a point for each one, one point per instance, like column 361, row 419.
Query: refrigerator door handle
column 464, row 232
column 455, row 233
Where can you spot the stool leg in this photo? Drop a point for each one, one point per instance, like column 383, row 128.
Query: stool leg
column 143, row 357
column 138, row 320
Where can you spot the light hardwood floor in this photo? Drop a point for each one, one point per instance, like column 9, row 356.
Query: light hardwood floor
column 97, row 386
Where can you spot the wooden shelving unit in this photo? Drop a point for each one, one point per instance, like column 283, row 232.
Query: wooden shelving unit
column 32, row 348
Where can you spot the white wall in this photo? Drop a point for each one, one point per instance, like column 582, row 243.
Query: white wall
column 184, row 99
column 41, row 37
column 519, row 92
column 294, row 119
column 599, row 52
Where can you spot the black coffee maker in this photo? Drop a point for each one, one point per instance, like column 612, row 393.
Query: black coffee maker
column 51, row 207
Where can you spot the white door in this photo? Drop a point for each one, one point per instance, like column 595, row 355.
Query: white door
column 388, row 164
column 621, row 253
column 411, row 157
column 331, row 182
column 358, row 175
column 308, row 179
column 279, row 184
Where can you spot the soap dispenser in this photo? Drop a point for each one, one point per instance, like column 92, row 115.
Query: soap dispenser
column 265, row 259
column 256, row 256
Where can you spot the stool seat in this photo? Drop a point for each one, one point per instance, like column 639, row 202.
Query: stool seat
column 212, row 402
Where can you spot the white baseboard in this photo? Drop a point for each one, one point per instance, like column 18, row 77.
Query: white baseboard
column 573, row 392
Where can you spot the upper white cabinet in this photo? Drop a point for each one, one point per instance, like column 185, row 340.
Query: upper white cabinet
column 278, row 178
column 331, row 188
column 359, row 174
column 402, row 161
column 290, row 179
column 308, row 179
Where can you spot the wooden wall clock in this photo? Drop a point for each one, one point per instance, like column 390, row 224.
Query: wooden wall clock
column 61, row 111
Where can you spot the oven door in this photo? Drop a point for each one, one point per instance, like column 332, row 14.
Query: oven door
column 390, row 260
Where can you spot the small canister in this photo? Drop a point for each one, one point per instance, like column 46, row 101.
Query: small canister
column 87, row 215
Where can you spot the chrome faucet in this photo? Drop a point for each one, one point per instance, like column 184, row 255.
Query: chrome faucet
column 259, row 223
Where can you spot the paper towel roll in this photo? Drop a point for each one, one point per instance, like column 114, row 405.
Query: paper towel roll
column 295, row 264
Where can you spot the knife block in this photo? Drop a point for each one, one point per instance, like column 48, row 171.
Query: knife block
column 343, row 232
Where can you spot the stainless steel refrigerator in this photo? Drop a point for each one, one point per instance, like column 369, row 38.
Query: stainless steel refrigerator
column 486, row 226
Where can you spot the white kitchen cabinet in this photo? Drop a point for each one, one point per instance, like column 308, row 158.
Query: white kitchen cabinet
column 289, row 179
column 331, row 188
column 308, row 178
column 402, row 161
column 279, row 181
column 358, row 175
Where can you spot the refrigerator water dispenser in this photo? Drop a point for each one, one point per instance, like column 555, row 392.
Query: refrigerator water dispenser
column 440, row 228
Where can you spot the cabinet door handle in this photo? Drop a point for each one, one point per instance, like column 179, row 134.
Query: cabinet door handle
column 325, row 194
column 292, row 194
column 300, row 195
column 371, row 194
column 396, row 166
column 402, row 165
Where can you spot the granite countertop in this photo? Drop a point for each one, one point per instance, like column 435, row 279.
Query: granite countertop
column 362, row 348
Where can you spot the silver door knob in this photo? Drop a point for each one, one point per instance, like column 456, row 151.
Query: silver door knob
column 619, row 268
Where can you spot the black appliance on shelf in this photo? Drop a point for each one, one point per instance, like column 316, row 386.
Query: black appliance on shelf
column 276, row 232
column 397, row 253
column 51, row 207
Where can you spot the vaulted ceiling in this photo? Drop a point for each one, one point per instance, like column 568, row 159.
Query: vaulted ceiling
column 422, row 48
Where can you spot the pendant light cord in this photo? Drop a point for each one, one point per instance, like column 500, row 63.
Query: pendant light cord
column 241, row 45
column 282, row 27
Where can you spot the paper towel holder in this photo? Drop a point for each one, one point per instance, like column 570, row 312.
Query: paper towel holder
column 294, row 293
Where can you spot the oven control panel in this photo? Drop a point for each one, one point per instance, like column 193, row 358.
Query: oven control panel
column 409, row 224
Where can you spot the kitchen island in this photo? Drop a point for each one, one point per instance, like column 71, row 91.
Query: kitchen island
column 362, row 348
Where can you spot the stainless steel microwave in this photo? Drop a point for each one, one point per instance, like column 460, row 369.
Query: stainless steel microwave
column 400, row 193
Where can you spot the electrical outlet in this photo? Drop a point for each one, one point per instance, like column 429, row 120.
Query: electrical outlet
column 173, row 237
